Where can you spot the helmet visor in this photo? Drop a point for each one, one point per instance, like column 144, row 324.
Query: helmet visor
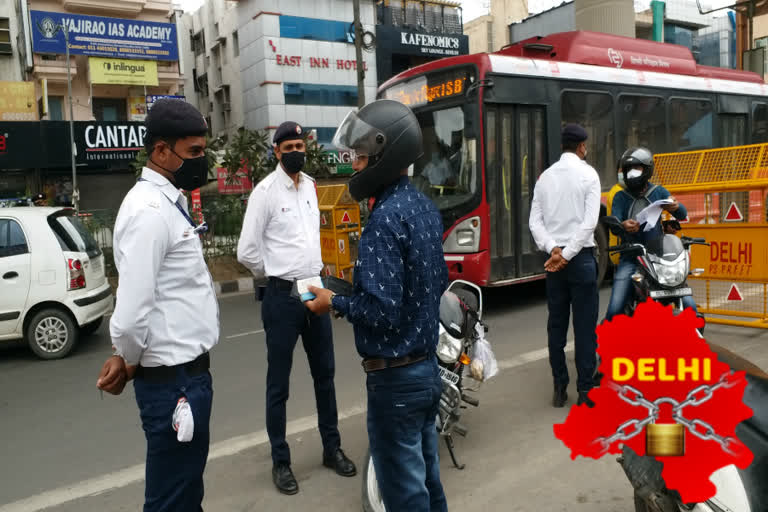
column 356, row 135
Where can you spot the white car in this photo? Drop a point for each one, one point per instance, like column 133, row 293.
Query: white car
column 52, row 283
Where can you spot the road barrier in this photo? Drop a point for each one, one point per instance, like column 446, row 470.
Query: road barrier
column 724, row 191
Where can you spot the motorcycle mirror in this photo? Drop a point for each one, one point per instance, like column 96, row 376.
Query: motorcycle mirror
column 613, row 223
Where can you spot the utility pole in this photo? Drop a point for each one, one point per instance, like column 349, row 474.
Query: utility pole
column 72, row 149
column 359, row 54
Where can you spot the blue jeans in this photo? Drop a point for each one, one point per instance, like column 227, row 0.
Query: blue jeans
column 402, row 406
column 285, row 319
column 621, row 292
column 174, row 470
column 574, row 287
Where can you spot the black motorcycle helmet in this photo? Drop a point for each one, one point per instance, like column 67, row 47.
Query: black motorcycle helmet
column 630, row 160
column 389, row 134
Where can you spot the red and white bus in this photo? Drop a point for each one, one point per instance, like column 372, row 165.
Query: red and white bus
column 491, row 125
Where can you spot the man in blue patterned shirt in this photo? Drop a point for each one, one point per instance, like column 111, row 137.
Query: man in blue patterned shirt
column 399, row 278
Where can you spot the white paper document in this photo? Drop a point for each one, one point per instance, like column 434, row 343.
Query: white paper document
column 650, row 215
column 302, row 286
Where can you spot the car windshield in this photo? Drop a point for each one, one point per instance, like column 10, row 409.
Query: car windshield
column 447, row 171
column 72, row 234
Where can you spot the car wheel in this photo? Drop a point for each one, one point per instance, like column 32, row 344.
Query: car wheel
column 51, row 334
column 91, row 327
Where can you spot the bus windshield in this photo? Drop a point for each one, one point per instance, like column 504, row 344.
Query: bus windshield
column 447, row 171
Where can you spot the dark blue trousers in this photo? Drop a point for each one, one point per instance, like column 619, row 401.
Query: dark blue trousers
column 174, row 470
column 574, row 287
column 285, row 319
column 402, row 406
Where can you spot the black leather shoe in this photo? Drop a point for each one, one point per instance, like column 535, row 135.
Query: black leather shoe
column 284, row 480
column 560, row 397
column 340, row 463
column 584, row 399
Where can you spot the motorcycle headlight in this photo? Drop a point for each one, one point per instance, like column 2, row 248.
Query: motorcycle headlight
column 448, row 348
column 671, row 273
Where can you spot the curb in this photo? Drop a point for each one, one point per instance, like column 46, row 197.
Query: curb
column 243, row 284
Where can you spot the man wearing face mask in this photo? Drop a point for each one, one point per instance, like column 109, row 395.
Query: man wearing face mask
column 564, row 214
column 166, row 317
column 280, row 241
column 637, row 192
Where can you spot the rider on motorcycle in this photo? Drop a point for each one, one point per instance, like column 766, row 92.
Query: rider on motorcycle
column 637, row 192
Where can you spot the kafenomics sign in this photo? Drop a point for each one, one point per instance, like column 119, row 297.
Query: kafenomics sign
column 123, row 71
column 432, row 44
column 103, row 37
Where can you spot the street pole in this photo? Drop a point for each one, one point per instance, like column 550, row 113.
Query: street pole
column 75, row 195
column 359, row 54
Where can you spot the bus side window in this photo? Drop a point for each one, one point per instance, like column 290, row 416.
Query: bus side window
column 759, row 123
column 594, row 111
column 690, row 124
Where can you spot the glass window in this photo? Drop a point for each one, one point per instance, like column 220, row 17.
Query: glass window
column 12, row 240
column 594, row 111
column 447, row 171
column 733, row 130
column 73, row 235
column 318, row 94
column 759, row 123
column 318, row 30
column 235, row 44
column 56, row 108
column 690, row 124
column 642, row 122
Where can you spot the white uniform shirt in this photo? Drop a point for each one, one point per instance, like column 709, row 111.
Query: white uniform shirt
column 166, row 311
column 281, row 229
column 566, row 206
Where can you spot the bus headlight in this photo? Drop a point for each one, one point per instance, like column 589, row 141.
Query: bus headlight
column 464, row 238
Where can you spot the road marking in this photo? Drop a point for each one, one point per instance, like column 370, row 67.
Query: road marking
column 240, row 335
column 226, row 448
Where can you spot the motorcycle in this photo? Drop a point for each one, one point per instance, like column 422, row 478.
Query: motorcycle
column 463, row 356
column 738, row 490
column 664, row 266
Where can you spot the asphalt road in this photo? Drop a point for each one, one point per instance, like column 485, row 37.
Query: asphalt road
column 66, row 449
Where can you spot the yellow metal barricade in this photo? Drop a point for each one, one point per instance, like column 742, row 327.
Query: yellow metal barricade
column 724, row 191
column 339, row 230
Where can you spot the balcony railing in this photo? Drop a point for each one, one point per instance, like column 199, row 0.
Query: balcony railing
column 421, row 15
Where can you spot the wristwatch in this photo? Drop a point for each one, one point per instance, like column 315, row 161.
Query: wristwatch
column 333, row 311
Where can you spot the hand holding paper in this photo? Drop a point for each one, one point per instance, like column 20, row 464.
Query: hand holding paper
column 651, row 214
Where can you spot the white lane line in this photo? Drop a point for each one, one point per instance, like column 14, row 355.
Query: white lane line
column 240, row 335
column 226, row 448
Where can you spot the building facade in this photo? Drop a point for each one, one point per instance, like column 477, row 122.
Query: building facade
column 490, row 33
column 410, row 33
column 123, row 53
column 210, row 43
column 297, row 62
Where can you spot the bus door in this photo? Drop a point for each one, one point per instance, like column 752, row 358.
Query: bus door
column 515, row 157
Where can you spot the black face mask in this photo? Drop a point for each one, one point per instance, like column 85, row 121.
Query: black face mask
column 293, row 162
column 191, row 175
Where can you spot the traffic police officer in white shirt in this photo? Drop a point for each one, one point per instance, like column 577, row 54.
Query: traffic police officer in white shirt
column 280, row 240
column 166, row 317
column 564, row 214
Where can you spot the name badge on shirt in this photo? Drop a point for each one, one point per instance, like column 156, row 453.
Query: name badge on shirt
column 285, row 210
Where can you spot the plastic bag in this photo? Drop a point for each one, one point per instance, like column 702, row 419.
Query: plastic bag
column 183, row 422
column 486, row 366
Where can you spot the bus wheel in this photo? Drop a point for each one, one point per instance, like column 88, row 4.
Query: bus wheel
column 601, row 239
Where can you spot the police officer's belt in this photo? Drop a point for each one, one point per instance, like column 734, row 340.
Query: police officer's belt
column 372, row 365
column 168, row 373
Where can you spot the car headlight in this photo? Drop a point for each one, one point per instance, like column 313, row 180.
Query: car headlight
column 671, row 274
column 448, row 348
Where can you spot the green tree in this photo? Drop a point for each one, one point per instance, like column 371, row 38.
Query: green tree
column 249, row 151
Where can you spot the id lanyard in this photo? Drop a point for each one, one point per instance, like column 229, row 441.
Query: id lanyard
column 202, row 228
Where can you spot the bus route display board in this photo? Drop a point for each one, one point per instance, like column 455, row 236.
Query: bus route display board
column 428, row 89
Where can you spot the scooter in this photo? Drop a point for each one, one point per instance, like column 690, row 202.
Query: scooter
column 738, row 490
column 461, row 330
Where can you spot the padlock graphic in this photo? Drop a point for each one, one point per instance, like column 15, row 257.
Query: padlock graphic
column 665, row 439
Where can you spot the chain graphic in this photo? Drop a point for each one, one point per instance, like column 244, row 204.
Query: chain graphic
column 635, row 397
